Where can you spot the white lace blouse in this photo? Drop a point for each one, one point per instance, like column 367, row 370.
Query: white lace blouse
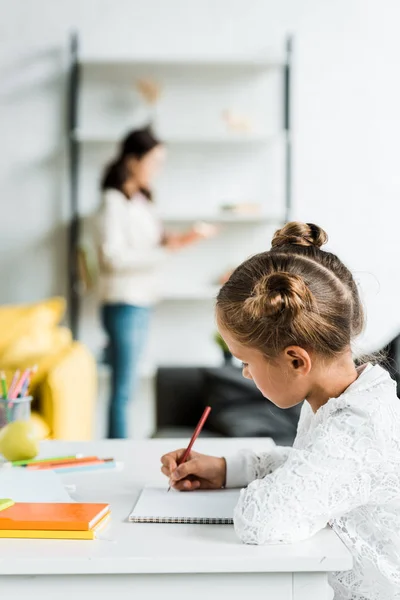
column 343, row 470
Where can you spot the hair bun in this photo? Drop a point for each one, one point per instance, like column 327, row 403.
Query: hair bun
column 299, row 234
column 280, row 294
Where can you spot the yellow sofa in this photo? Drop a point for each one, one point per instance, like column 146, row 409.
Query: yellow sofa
column 64, row 386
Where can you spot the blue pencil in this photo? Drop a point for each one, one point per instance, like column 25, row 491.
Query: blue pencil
column 106, row 465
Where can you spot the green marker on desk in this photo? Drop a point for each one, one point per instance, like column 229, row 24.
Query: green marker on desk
column 33, row 461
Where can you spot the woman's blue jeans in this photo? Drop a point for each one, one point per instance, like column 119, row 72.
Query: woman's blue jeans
column 126, row 326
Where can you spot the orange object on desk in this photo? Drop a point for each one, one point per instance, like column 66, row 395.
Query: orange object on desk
column 92, row 460
column 52, row 516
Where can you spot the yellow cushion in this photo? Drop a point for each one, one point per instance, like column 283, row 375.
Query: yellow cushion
column 57, row 344
column 68, row 395
column 33, row 344
column 42, row 429
column 48, row 313
column 16, row 321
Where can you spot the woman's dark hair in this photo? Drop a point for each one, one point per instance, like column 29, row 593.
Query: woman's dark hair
column 115, row 175
column 139, row 142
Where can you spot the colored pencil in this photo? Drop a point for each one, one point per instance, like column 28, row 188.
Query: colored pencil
column 3, row 385
column 195, row 435
column 21, row 463
column 53, row 464
column 63, row 464
column 19, row 384
column 13, row 383
column 83, row 467
column 24, row 389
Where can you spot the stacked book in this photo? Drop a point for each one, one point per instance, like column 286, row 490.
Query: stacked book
column 72, row 521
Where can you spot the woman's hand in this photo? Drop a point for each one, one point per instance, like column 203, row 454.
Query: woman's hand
column 200, row 231
column 172, row 242
column 205, row 230
column 198, row 472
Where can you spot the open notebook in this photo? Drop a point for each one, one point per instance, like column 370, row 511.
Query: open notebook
column 157, row 505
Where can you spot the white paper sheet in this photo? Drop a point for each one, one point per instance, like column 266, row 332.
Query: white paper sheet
column 22, row 485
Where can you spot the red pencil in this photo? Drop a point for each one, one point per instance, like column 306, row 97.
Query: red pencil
column 195, row 435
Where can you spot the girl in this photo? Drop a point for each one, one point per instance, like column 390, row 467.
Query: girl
column 290, row 315
column 132, row 248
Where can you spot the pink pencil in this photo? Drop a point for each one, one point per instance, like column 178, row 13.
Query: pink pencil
column 16, row 390
column 13, row 384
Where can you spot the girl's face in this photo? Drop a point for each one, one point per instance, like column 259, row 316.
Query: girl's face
column 284, row 380
column 146, row 168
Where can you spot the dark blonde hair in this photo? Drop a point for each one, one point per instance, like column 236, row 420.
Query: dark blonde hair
column 295, row 294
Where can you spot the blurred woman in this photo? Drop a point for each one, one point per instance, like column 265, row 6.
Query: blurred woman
column 133, row 246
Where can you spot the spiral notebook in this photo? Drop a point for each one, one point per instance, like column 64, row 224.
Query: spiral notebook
column 157, row 505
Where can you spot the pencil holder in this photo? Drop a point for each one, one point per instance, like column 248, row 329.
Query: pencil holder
column 18, row 409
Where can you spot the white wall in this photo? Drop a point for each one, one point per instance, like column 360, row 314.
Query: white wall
column 345, row 116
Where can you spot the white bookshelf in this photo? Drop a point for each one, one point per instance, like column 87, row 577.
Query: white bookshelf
column 214, row 63
column 92, row 137
column 209, row 165
column 222, row 218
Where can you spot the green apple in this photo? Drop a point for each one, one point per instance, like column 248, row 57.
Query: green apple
column 18, row 441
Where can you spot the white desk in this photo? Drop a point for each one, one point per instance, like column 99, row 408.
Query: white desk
column 170, row 562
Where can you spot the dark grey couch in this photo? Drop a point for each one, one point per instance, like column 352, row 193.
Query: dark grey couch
column 238, row 408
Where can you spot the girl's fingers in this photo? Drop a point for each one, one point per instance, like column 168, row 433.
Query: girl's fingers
column 186, row 485
column 169, row 461
column 191, row 467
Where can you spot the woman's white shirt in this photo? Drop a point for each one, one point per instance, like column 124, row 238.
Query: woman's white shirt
column 130, row 250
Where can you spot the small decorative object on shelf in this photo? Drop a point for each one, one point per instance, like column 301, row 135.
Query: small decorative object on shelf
column 237, row 122
column 149, row 89
column 242, row 208
column 228, row 356
column 205, row 230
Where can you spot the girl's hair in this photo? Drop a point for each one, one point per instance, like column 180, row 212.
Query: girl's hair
column 115, row 175
column 295, row 294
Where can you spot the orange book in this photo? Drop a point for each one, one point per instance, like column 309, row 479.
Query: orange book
column 47, row 534
column 52, row 516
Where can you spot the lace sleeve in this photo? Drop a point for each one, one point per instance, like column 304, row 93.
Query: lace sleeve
column 246, row 466
column 326, row 477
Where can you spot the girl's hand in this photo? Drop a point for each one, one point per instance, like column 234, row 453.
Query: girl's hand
column 198, row 472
